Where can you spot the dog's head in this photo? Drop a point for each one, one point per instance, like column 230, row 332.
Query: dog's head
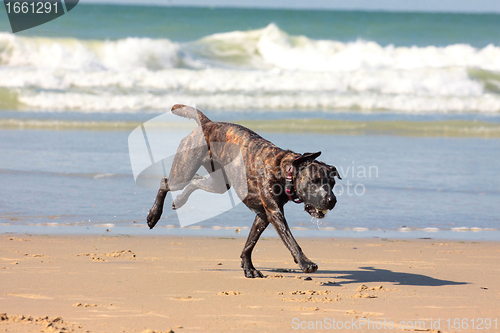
column 314, row 182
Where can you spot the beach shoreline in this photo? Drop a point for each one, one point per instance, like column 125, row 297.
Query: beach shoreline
column 119, row 283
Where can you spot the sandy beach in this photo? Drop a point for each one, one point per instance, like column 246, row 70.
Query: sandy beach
column 185, row 284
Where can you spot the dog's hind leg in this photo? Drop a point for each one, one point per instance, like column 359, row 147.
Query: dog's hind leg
column 157, row 209
column 216, row 183
column 259, row 225
column 211, row 184
column 191, row 153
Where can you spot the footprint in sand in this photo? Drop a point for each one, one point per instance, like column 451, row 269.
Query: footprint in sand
column 275, row 276
column 308, row 309
column 312, row 299
column 229, row 293
column 121, row 253
column 311, row 292
column 94, row 257
column 363, row 289
column 56, row 324
column 114, row 254
column 85, row 305
column 361, row 295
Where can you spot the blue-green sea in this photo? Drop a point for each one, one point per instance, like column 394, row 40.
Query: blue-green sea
column 414, row 96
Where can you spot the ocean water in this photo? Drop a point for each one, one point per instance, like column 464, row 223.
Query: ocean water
column 132, row 58
column 82, row 179
column 414, row 96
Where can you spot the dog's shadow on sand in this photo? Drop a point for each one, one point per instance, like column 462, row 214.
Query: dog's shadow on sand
column 371, row 274
column 363, row 275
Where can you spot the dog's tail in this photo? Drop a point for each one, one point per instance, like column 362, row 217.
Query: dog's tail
column 191, row 113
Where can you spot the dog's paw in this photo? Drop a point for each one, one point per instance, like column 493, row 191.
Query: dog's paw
column 153, row 218
column 178, row 202
column 249, row 270
column 253, row 273
column 309, row 267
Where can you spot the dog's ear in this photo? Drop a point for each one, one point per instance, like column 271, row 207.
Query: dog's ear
column 306, row 157
column 334, row 172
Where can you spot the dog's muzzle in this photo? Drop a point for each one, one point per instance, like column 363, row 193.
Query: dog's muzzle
column 317, row 207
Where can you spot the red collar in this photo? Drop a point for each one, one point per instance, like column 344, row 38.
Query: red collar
column 289, row 190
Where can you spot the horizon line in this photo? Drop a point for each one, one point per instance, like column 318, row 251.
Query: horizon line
column 368, row 10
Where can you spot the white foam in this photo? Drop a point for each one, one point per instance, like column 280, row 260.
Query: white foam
column 260, row 69
column 278, row 49
column 106, row 102
column 74, row 54
column 269, row 47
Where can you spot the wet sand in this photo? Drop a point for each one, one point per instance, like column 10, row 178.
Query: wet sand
column 191, row 284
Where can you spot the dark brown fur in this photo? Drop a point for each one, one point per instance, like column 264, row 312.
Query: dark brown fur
column 266, row 167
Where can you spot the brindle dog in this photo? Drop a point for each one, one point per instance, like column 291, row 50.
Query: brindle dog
column 273, row 177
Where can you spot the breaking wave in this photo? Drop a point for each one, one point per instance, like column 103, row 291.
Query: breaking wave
column 265, row 69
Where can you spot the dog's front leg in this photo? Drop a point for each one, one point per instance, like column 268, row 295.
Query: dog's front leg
column 275, row 215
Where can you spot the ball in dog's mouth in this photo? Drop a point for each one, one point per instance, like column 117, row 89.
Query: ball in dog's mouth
column 314, row 212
